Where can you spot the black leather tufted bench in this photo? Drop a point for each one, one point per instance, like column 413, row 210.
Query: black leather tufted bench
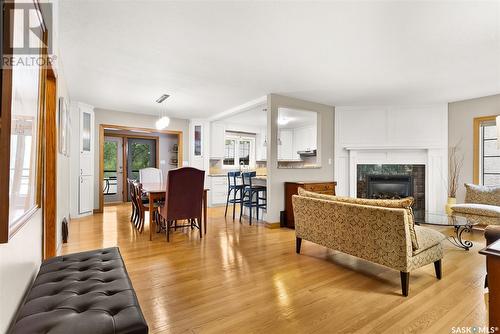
column 87, row 292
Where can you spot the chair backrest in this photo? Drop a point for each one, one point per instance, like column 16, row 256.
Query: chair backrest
column 231, row 178
column 131, row 189
column 246, row 178
column 184, row 197
column 150, row 175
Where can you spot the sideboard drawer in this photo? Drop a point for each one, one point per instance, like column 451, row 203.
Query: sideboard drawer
column 326, row 188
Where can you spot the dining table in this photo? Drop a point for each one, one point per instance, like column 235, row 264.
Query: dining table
column 157, row 192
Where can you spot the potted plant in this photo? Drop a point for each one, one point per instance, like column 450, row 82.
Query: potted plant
column 455, row 165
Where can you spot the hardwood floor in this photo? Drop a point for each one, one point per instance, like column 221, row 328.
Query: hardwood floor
column 248, row 279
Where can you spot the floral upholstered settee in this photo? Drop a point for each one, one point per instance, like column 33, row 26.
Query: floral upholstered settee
column 380, row 231
column 482, row 205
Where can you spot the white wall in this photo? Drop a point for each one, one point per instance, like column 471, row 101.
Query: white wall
column 461, row 116
column 276, row 177
column 19, row 262
column 113, row 117
column 393, row 135
column 20, row 258
column 63, row 167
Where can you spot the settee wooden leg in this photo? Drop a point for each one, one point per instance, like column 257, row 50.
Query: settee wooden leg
column 439, row 269
column 405, row 283
column 298, row 243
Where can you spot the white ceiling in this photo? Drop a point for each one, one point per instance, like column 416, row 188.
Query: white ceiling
column 212, row 56
column 257, row 118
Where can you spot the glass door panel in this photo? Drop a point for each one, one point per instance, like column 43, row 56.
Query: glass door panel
column 113, row 169
column 141, row 153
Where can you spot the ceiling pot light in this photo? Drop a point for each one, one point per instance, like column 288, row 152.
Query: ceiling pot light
column 283, row 121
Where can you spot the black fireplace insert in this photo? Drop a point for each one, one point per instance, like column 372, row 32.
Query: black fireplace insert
column 389, row 186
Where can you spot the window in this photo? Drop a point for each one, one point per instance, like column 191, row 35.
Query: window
column 489, row 162
column 238, row 150
column 229, row 152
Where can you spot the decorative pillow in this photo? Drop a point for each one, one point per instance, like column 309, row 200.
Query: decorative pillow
column 482, row 194
column 477, row 209
column 404, row 203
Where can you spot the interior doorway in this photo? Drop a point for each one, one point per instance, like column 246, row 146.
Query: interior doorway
column 113, row 169
column 125, row 150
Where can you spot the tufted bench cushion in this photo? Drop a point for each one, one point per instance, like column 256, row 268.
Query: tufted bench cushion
column 87, row 292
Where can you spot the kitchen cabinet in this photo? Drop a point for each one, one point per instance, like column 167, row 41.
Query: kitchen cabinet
column 218, row 190
column 86, row 185
column 261, row 146
column 285, row 145
column 217, row 138
column 304, row 138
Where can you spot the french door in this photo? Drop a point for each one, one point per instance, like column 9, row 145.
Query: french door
column 141, row 153
column 112, row 187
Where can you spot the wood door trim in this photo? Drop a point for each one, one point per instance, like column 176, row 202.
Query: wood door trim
column 102, row 128
column 6, row 84
column 477, row 124
column 125, row 138
column 50, row 167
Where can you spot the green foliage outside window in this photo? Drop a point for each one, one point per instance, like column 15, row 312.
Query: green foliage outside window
column 110, row 154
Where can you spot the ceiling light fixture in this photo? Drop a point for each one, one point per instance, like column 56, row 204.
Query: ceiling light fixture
column 283, row 121
column 163, row 120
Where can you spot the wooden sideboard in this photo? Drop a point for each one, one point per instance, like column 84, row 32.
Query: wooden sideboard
column 492, row 253
column 291, row 189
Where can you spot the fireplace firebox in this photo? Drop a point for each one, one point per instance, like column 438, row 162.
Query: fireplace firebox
column 389, row 186
column 390, row 181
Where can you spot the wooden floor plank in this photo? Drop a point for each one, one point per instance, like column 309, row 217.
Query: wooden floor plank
column 248, row 279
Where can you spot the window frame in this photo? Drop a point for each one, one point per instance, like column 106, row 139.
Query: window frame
column 8, row 230
column 238, row 138
column 479, row 122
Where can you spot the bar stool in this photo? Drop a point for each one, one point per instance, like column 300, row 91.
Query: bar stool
column 235, row 188
column 252, row 195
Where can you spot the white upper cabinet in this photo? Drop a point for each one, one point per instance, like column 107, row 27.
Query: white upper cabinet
column 285, row 145
column 217, row 137
column 261, row 145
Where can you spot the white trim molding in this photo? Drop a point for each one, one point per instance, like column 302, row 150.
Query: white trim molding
column 393, row 135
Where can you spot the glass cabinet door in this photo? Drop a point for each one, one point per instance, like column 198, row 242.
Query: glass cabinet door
column 86, row 128
column 197, row 140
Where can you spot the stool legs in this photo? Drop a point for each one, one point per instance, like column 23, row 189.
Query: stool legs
column 227, row 201
column 234, row 202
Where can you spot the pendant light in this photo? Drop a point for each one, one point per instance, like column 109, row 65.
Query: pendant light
column 163, row 120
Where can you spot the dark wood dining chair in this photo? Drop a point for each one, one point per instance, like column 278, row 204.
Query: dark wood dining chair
column 143, row 206
column 183, row 199
column 134, row 215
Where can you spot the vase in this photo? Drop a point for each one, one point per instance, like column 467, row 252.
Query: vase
column 451, row 201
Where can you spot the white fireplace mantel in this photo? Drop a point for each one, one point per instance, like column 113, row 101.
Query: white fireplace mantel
column 393, row 135
column 433, row 159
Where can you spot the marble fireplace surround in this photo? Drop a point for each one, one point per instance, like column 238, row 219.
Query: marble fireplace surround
column 432, row 158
